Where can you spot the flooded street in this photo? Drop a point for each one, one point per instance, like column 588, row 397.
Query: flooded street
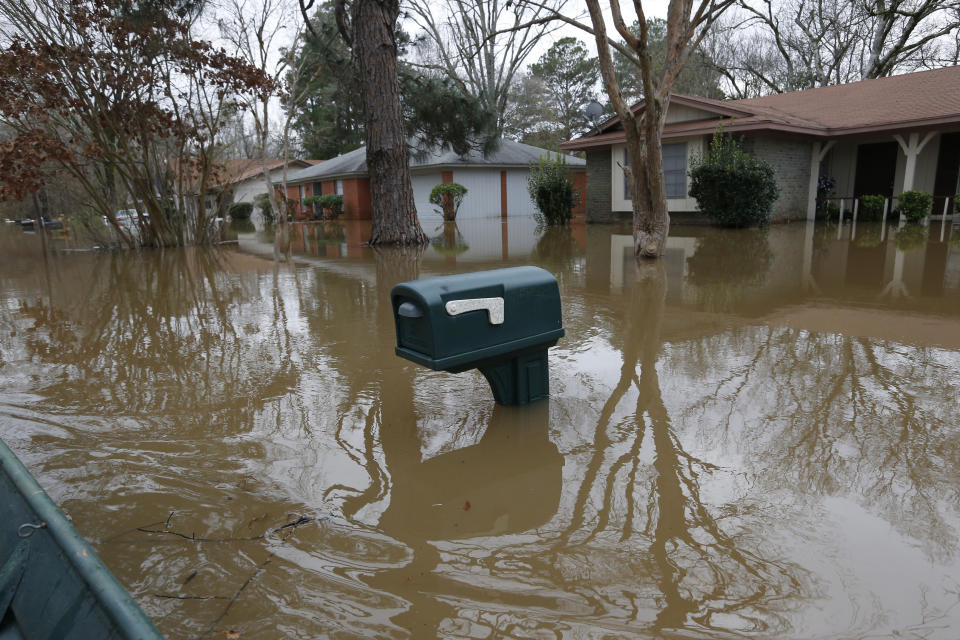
column 756, row 436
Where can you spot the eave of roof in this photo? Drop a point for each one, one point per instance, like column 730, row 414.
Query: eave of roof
column 511, row 155
column 861, row 108
column 707, row 127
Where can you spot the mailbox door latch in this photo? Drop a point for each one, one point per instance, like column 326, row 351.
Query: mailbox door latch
column 493, row 306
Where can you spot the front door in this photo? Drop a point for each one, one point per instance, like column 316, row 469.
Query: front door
column 876, row 169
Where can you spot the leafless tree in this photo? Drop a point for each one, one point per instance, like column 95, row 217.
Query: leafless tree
column 260, row 32
column 481, row 44
column 800, row 44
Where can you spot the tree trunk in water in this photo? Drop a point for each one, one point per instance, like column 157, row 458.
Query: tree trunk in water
column 391, row 193
column 651, row 221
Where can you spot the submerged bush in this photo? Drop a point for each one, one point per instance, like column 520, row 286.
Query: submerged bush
column 732, row 187
column 914, row 205
column 871, row 207
column 448, row 196
column 312, row 203
column 332, row 203
column 551, row 191
column 240, row 210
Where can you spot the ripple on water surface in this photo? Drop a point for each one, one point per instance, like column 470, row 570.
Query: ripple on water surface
column 755, row 436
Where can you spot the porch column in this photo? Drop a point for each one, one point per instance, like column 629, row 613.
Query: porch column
column 912, row 148
column 817, row 154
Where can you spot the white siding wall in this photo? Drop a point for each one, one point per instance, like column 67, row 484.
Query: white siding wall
column 246, row 190
column 423, row 184
column 483, row 193
column 617, row 200
column 518, row 198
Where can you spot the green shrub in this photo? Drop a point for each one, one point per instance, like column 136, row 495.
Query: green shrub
column 871, row 207
column 312, row 203
column 240, row 210
column 732, row 187
column 448, row 196
column 263, row 203
column 551, row 191
column 956, row 203
column 915, row 205
column 332, row 203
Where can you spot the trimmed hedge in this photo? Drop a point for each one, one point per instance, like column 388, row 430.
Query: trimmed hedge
column 731, row 187
column 871, row 207
column 915, row 205
column 448, row 196
column 332, row 203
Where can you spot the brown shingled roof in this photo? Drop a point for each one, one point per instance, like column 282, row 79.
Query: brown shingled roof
column 913, row 101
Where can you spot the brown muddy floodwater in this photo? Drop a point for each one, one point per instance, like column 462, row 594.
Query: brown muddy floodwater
column 756, row 437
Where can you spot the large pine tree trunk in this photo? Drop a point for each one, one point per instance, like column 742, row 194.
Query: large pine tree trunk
column 391, row 193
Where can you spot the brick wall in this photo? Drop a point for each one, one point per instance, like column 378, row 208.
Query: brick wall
column 790, row 160
column 598, row 188
column 579, row 180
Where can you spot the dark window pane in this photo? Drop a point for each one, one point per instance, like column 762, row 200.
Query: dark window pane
column 675, row 169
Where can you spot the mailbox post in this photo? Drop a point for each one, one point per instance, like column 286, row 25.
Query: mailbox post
column 501, row 322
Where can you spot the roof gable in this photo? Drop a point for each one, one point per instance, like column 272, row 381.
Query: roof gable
column 692, row 108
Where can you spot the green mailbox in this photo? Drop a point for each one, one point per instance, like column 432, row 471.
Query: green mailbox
column 501, row 322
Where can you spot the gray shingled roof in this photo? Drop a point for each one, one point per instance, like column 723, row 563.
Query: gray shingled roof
column 510, row 155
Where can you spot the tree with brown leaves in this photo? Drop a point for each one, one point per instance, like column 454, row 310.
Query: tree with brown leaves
column 123, row 97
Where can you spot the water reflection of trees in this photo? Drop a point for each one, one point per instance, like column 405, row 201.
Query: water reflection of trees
column 138, row 334
column 708, row 574
column 842, row 415
column 634, row 544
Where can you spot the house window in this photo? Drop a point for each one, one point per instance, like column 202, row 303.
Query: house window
column 338, row 188
column 674, row 170
column 317, row 189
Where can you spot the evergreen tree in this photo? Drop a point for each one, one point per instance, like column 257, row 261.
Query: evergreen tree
column 699, row 76
column 569, row 76
column 331, row 121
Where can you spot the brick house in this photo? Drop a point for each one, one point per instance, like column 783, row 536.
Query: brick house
column 882, row 136
column 496, row 184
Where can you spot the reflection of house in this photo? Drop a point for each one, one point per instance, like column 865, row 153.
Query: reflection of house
column 496, row 184
column 882, row 136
